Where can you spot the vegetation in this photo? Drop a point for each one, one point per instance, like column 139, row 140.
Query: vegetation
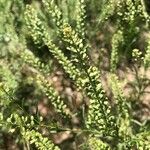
column 54, row 58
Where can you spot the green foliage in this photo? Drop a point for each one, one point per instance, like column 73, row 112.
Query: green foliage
column 147, row 56
column 124, row 120
column 117, row 40
column 104, row 122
